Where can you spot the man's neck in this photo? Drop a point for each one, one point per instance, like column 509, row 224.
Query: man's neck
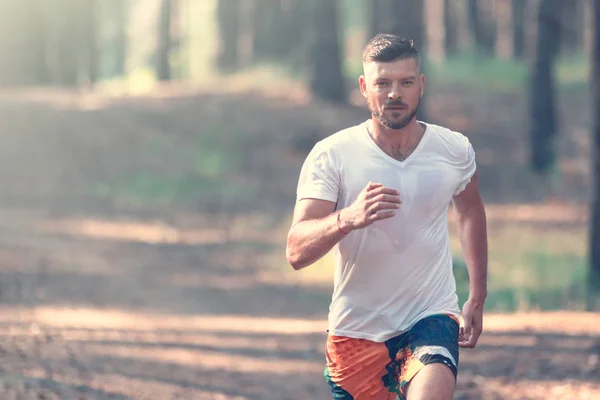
column 397, row 143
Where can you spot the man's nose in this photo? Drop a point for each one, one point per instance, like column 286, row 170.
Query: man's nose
column 395, row 93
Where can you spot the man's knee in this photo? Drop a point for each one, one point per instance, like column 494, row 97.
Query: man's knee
column 434, row 381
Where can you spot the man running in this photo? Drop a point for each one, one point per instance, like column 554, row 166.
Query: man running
column 378, row 194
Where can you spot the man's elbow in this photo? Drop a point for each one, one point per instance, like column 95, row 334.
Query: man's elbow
column 294, row 257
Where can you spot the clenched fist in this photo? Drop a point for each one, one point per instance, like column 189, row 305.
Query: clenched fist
column 374, row 203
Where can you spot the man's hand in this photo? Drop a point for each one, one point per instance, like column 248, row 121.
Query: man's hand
column 374, row 203
column 473, row 319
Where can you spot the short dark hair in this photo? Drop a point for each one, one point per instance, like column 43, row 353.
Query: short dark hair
column 385, row 47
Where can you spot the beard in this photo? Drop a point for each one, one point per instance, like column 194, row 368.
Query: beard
column 387, row 122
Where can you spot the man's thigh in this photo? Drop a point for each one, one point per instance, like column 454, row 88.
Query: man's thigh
column 433, row 382
column 359, row 369
column 428, row 355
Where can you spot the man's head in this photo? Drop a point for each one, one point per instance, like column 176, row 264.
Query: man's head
column 392, row 81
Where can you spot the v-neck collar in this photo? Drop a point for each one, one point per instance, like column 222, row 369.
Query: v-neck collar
column 391, row 159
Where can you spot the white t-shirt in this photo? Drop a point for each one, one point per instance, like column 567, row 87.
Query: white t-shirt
column 398, row 270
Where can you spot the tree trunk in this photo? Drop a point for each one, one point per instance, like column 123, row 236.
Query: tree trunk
column 409, row 22
column 262, row 21
column 112, row 37
column 451, row 28
column 481, row 16
column 504, row 29
column 65, row 49
column 177, row 39
column 246, row 50
column 272, row 38
column 403, row 18
column 296, row 19
column 88, row 61
column 518, row 18
column 435, row 29
column 570, row 31
column 375, row 17
column 228, row 20
column 282, row 19
column 475, row 22
column 121, row 10
column 40, row 30
column 542, row 90
column 23, row 44
column 594, row 244
column 458, row 38
column 588, row 26
column 326, row 77
column 163, row 51
column 531, row 30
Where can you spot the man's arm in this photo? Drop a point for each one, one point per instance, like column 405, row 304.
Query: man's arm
column 472, row 231
column 313, row 233
column 316, row 229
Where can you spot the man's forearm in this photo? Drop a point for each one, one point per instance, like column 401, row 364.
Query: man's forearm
column 310, row 240
column 472, row 232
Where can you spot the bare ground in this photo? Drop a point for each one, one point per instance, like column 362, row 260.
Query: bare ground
column 105, row 299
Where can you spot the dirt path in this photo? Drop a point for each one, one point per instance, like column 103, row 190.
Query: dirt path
column 101, row 300
column 86, row 328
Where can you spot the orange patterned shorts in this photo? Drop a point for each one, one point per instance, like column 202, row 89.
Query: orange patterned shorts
column 360, row 369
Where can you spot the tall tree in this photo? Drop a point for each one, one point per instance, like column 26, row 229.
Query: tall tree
column 326, row 75
column 39, row 28
column 65, row 49
column 542, row 89
column 23, row 44
column 530, row 29
column 518, row 24
column 228, row 19
column 571, row 24
column 297, row 32
column 504, row 29
column 594, row 242
column 457, row 37
column 434, row 25
column 400, row 17
column 271, row 33
column 163, row 53
column 112, row 36
column 588, row 26
column 482, row 23
column 88, row 52
column 376, row 10
column 121, row 12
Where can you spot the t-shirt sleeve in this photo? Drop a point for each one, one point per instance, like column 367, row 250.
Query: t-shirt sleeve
column 319, row 176
column 466, row 167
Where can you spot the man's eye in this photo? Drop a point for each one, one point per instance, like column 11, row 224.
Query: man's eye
column 407, row 83
column 381, row 83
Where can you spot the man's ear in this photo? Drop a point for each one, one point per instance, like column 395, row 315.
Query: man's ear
column 422, row 84
column 362, row 83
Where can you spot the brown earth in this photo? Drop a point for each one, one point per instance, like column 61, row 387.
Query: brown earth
column 104, row 298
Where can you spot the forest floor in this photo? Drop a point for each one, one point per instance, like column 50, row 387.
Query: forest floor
column 141, row 248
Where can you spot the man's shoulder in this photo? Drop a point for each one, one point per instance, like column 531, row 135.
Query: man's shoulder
column 447, row 134
column 338, row 140
column 450, row 140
